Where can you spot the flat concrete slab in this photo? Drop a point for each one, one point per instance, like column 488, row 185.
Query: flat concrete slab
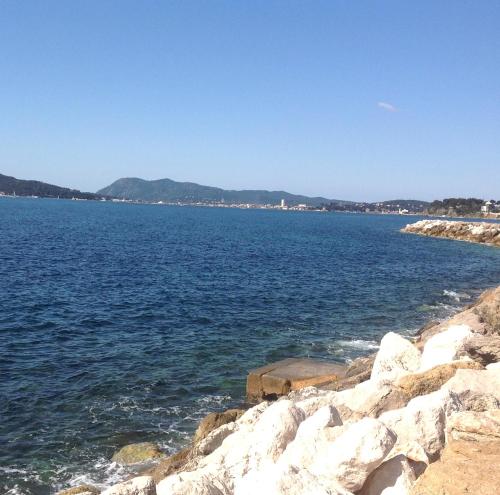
column 280, row 378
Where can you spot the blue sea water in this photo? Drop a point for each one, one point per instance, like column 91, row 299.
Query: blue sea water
column 123, row 323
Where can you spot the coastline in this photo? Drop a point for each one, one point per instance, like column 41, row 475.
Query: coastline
column 202, row 464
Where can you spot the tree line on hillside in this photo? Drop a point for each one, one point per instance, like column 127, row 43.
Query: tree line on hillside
column 12, row 186
column 459, row 206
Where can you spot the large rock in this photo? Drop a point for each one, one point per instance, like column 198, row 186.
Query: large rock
column 463, row 468
column 214, row 420
column 137, row 452
column 288, row 480
column 312, row 435
column 477, row 382
column 214, row 439
column 80, row 490
column 280, row 378
column 142, row 485
column 252, row 415
column 370, row 398
column 261, row 437
column 169, row 465
column 475, row 426
column 396, row 357
column 275, row 429
column 431, row 380
column 477, row 402
column 191, row 483
column 421, row 425
column 484, row 349
column 393, row 477
column 311, row 399
column 445, row 347
column 358, row 451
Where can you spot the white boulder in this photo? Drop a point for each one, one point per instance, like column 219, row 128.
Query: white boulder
column 275, row 429
column 285, row 480
column 353, row 455
column 475, row 426
column 191, row 483
column 251, row 416
column 396, row 357
column 392, row 477
column 214, row 439
column 312, row 399
column 493, row 366
column 141, row 485
column 311, row 437
column 445, row 347
column 422, row 423
column 253, row 446
column 478, row 382
column 324, row 417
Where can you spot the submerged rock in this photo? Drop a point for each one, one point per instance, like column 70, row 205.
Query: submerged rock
column 137, row 452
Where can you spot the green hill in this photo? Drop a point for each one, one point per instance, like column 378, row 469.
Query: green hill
column 188, row 192
column 19, row 187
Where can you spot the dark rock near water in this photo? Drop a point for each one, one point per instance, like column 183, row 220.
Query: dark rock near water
column 137, row 452
column 214, row 420
column 169, row 465
column 80, row 489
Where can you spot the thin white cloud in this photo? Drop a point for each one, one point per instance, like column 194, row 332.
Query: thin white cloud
column 387, row 106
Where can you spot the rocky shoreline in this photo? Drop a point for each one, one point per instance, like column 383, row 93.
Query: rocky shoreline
column 478, row 232
column 418, row 417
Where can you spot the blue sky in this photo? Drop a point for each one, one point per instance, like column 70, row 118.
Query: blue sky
column 351, row 100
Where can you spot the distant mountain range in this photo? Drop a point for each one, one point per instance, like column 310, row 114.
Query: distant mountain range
column 19, row 187
column 170, row 191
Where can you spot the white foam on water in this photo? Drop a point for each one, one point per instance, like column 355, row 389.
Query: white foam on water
column 213, row 399
column 362, row 345
column 456, row 296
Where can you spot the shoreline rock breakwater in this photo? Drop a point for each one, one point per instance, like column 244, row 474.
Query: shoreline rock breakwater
column 479, row 232
column 419, row 417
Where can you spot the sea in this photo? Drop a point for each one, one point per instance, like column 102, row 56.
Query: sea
column 122, row 323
